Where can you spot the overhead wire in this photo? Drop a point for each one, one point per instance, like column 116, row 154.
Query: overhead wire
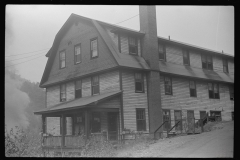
column 24, row 57
column 43, row 50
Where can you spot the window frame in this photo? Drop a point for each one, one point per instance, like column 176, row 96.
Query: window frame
column 144, row 128
column 164, row 53
column 213, row 91
column 226, row 65
column 188, row 57
column 130, row 45
column 65, row 88
column 195, row 89
column 78, row 89
column 92, row 86
column 91, row 55
column 139, row 81
column 60, row 59
column 167, row 93
column 207, row 63
column 75, row 56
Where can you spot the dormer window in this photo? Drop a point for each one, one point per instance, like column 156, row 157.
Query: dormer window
column 225, row 66
column 132, row 46
column 207, row 62
column 186, row 57
column 162, row 52
column 78, row 89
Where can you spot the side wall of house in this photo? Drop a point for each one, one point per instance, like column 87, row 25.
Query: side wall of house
column 181, row 100
column 132, row 100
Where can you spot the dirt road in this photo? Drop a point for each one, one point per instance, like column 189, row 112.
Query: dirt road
column 217, row 143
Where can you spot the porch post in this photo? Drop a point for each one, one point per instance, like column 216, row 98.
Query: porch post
column 63, row 129
column 43, row 124
column 87, row 123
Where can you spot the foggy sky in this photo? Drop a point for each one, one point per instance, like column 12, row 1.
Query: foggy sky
column 33, row 27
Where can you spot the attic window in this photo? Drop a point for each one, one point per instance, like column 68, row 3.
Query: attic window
column 207, row 62
column 186, row 57
column 62, row 59
column 77, row 54
column 132, row 46
column 225, row 66
column 94, row 48
column 162, row 52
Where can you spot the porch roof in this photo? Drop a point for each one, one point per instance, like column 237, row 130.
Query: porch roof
column 79, row 103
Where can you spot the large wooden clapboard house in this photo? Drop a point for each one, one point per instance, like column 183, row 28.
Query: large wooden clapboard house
column 104, row 79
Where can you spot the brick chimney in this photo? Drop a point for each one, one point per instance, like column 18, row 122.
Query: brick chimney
column 148, row 25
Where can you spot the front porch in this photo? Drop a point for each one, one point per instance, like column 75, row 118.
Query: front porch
column 70, row 125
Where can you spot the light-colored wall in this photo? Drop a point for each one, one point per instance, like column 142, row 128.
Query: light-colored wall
column 108, row 82
column 181, row 97
column 132, row 100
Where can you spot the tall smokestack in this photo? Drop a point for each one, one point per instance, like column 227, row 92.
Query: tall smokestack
column 148, row 25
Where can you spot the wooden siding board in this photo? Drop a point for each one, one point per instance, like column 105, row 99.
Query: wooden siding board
column 109, row 82
column 231, row 67
column 195, row 59
column 86, row 87
column 70, row 91
column 53, row 95
column 132, row 100
column 124, row 44
column 217, row 64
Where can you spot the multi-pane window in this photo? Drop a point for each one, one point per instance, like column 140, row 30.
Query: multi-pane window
column 192, row 86
column 231, row 91
column 213, row 90
column 162, row 52
column 141, row 119
column 186, row 57
column 62, row 59
column 225, row 66
column 133, row 49
column 95, row 85
column 207, row 62
column 168, row 85
column 94, row 48
column 78, row 89
column 139, row 85
column 63, row 93
column 77, row 54
column 96, row 122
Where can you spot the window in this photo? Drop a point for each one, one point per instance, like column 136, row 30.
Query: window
column 78, row 89
column 96, row 122
column 94, row 48
column 62, row 93
column 207, row 62
column 213, row 90
column 141, row 120
column 225, row 66
column 132, row 46
column 77, row 54
column 168, row 85
column 186, row 57
column 162, row 52
column 95, row 85
column 139, row 86
column 62, row 59
column 231, row 91
column 192, row 86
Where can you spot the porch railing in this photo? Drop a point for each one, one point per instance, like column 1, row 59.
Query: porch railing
column 52, row 141
column 75, row 141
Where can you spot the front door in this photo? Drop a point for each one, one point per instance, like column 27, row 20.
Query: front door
column 112, row 125
column 166, row 117
column 178, row 117
column 190, row 120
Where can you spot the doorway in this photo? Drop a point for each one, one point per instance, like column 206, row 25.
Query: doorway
column 112, row 125
column 178, row 117
column 166, row 117
column 190, row 120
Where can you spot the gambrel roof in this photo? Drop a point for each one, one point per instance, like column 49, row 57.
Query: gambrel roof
column 122, row 60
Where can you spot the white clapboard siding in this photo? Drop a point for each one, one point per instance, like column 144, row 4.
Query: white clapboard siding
column 86, row 87
column 181, row 100
column 109, row 82
column 132, row 100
